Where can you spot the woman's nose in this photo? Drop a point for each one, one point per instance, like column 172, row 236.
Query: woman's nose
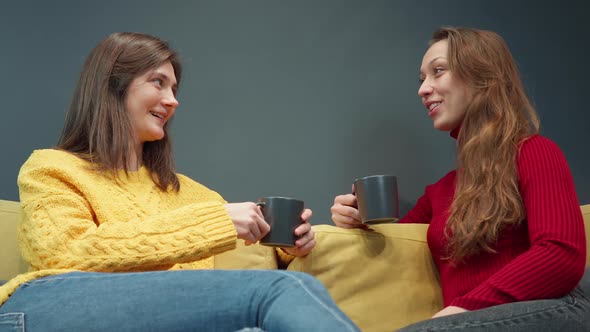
column 424, row 89
column 170, row 100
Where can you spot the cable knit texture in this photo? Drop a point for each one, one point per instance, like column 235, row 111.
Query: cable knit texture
column 541, row 258
column 76, row 218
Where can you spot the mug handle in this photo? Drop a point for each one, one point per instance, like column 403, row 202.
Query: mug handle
column 261, row 204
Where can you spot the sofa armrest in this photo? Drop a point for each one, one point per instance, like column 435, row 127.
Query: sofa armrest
column 383, row 279
column 11, row 262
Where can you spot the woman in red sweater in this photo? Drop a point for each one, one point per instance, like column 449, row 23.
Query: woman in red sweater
column 506, row 231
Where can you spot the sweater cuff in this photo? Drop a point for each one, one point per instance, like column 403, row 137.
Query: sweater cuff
column 220, row 230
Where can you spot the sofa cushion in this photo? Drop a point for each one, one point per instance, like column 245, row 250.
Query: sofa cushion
column 382, row 279
column 246, row 258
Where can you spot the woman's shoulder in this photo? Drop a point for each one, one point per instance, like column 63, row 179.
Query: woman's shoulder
column 538, row 146
column 443, row 185
column 537, row 139
column 539, row 155
column 187, row 184
column 52, row 158
column 187, row 181
column 447, row 179
column 49, row 169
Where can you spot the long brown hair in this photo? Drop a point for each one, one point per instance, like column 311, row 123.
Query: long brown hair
column 97, row 126
column 496, row 122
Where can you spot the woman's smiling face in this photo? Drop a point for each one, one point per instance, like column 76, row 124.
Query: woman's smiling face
column 151, row 102
column 445, row 96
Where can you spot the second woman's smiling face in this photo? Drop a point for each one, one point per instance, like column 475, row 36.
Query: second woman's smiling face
column 151, row 102
column 445, row 97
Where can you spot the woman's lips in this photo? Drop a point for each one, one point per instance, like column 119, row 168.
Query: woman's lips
column 434, row 110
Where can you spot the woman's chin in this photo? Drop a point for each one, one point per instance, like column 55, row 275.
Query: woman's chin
column 442, row 127
column 156, row 137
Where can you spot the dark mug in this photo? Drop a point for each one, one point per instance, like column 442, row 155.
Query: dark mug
column 283, row 214
column 377, row 198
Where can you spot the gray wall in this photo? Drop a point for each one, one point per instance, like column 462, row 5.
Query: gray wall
column 293, row 98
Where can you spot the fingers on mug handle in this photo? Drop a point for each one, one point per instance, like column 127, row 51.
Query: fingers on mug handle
column 262, row 224
column 306, row 212
column 260, row 205
column 264, row 227
column 306, row 229
column 255, row 233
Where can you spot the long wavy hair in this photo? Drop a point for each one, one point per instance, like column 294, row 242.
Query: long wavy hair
column 499, row 118
column 98, row 127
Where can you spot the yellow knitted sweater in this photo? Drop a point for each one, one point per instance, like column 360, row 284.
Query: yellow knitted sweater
column 76, row 218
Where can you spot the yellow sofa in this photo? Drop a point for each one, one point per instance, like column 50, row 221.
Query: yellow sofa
column 383, row 279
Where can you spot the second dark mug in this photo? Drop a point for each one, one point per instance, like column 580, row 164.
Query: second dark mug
column 283, row 214
column 377, row 198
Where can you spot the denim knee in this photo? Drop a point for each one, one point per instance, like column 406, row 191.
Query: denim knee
column 305, row 279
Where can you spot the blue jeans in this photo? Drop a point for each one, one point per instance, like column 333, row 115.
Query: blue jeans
column 252, row 300
column 570, row 313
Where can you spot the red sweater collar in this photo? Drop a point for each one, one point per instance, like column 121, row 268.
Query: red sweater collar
column 455, row 132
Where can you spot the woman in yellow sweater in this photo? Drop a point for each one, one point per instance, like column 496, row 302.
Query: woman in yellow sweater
column 118, row 241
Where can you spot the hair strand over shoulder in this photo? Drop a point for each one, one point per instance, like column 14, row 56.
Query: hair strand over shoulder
column 496, row 122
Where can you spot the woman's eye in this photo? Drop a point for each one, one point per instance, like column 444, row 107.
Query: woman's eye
column 158, row 81
column 438, row 70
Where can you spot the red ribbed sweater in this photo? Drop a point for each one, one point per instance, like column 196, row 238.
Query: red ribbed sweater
column 541, row 258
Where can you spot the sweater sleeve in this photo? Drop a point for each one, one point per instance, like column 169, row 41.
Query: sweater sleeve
column 58, row 229
column 555, row 262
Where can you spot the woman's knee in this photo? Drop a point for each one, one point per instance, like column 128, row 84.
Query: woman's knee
column 304, row 279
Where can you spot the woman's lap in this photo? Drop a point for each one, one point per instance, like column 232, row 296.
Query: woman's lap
column 569, row 313
column 173, row 301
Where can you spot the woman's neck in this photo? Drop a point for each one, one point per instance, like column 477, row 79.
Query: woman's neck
column 135, row 160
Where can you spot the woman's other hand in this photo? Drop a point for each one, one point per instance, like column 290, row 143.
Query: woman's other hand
column 450, row 310
column 248, row 220
column 306, row 237
column 345, row 212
